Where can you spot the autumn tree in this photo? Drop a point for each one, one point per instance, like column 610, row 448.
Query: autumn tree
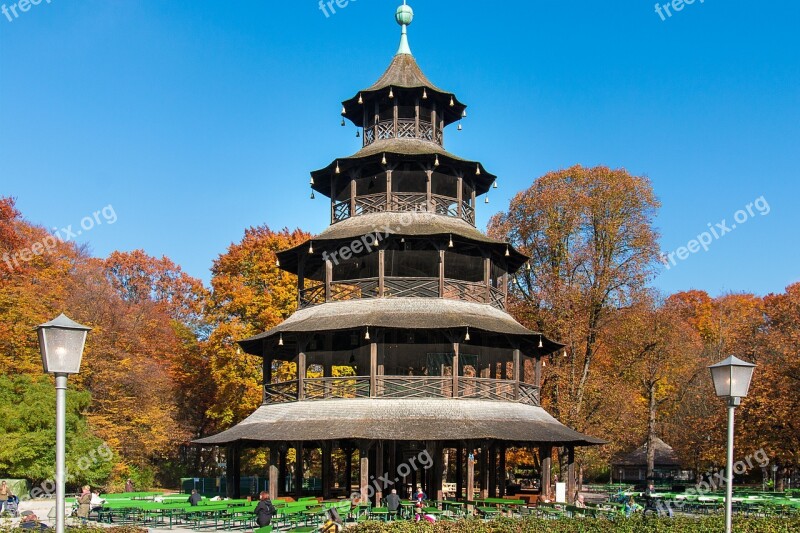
column 589, row 233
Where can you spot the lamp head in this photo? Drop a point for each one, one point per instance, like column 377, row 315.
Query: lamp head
column 61, row 343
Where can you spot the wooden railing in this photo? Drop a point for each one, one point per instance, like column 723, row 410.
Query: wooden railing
column 406, row 129
column 350, row 387
column 402, row 202
column 401, row 287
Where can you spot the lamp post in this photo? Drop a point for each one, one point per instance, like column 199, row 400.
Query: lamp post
column 61, row 343
column 732, row 381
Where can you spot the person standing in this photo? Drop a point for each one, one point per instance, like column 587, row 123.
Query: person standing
column 4, row 494
column 85, row 503
column 264, row 510
column 129, row 486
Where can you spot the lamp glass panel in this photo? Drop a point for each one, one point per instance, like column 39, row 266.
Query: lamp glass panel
column 722, row 380
column 740, row 379
column 63, row 350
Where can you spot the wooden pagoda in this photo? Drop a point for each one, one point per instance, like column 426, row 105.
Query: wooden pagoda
column 402, row 341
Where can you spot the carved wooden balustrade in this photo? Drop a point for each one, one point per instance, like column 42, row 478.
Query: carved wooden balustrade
column 402, row 202
column 397, row 287
column 349, row 387
column 406, row 128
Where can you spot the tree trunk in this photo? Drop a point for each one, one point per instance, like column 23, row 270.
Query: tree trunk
column 651, row 433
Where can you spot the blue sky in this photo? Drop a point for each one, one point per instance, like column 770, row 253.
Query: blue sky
column 195, row 120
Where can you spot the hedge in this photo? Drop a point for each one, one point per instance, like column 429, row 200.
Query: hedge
column 713, row 524
column 88, row 529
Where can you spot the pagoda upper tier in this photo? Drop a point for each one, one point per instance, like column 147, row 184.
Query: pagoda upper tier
column 403, row 165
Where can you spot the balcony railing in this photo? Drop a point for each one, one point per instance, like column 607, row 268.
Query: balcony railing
column 350, row 387
column 397, row 287
column 402, row 202
column 406, row 129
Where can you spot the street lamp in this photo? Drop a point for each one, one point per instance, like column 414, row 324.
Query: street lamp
column 732, row 381
column 61, row 343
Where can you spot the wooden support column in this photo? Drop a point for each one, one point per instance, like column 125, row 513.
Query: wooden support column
column 396, row 115
column 484, row 466
column 379, row 472
column 301, row 370
column 487, row 278
column 546, row 459
column 460, row 197
column 301, row 280
column 438, row 470
column 516, row 371
column 363, row 451
column 441, row 273
column 493, row 471
column 283, row 471
column 326, row 450
column 389, row 190
column 348, row 470
column 416, row 119
column 328, row 279
column 233, row 474
column 501, row 471
column 333, row 200
column 274, row 475
column 470, row 494
column 537, row 378
column 505, row 289
column 429, row 192
column 353, row 191
column 571, row 489
column 459, row 472
column 456, row 367
column 373, row 367
column 298, row 470
column 433, row 121
column 377, row 118
column 381, row 273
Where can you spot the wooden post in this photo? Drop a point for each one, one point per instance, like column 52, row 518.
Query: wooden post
column 233, row 474
column 381, row 273
column 363, row 452
column 441, row 273
column 328, row 280
column 487, row 278
column 373, row 368
column 353, row 191
column 546, row 459
column 516, row 375
column 459, row 472
column 274, row 475
column 301, row 281
column 484, row 465
column 429, row 192
column 298, row 470
column 396, row 115
column 389, row 190
column 283, row 470
column 460, row 197
column 348, row 470
column 571, row 475
column 438, row 470
column 501, row 471
column 433, row 121
column 537, row 379
column 493, row 471
column 301, row 370
column 416, row 119
column 456, row 365
column 505, row 289
column 470, row 476
column 326, row 449
column 333, row 201
column 379, row 472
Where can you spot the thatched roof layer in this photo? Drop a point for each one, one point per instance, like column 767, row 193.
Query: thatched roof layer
column 403, row 313
column 416, row 419
column 402, row 149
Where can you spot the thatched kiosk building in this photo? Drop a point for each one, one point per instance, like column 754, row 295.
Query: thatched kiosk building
column 402, row 316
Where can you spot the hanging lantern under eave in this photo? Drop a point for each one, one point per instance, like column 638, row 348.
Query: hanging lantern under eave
column 383, row 160
column 464, row 114
column 391, row 93
column 280, row 340
column 450, row 244
column 358, row 134
column 312, row 195
column 338, row 171
column 424, row 94
column 452, row 101
column 478, row 170
column 528, row 266
column 494, row 185
column 436, row 161
column 311, row 248
column 486, row 201
column 343, row 123
column 366, row 336
column 541, row 343
column 460, row 127
column 466, row 337
column 360, row 99
column 508, row 253
column 344, row 111
column 278, row 262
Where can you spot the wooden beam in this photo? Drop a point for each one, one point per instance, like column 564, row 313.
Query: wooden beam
column 388, row 190
column 326, row 449
column 501, row 471
column 537, row 378
column 515, row 377
column 487, row 278
column 470, row 494
column 298, row 470
column 379, row 472
column 460, row 196
column 364, row 485
column 328, row 280
column 301, row 280
column 546, row 460
column 429, row 192
column 301, row 370
column 441, row 273
column 381, row 273
column 459, row 472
